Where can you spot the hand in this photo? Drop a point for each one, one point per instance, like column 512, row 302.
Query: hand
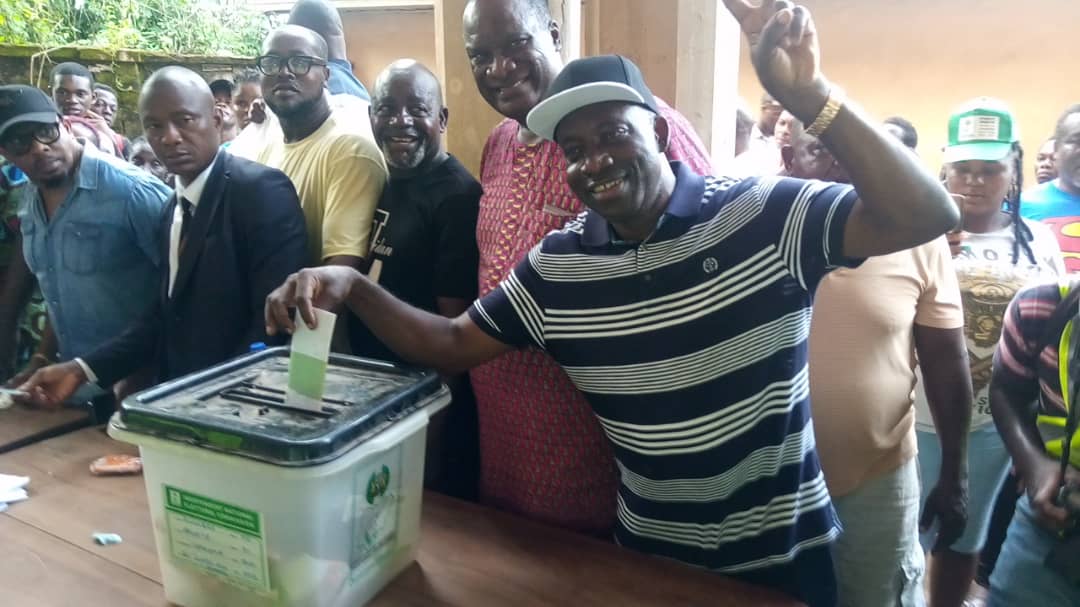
column 956, row 241
column 1043, row 483
column 226, row 110
column 947, row 503
column 98, row 122
column 257, row 112
column 51, row 386
column 37, row 361
column 325, row 287
column 785, row 52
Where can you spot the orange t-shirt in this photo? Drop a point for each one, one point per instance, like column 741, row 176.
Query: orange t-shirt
column 862, row 358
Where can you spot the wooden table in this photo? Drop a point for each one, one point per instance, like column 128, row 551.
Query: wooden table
column 20, row 426
column 469, row 555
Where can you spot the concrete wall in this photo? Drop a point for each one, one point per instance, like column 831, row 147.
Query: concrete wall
column 921, row 58
column 122, row 70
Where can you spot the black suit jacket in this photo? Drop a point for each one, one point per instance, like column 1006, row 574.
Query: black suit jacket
column 248, row 235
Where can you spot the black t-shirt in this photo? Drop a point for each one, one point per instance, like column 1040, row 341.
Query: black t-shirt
column 423, row 244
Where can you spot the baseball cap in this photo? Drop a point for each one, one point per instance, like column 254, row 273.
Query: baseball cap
column 20, row 103
column 981, row 129
column 584, row 82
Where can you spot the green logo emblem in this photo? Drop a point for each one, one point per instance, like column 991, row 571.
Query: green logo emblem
column 378, row 484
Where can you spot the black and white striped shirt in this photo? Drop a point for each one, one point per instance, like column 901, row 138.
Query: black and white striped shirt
column 691, row 349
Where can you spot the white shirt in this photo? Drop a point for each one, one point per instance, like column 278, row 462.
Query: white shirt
column 192, row 192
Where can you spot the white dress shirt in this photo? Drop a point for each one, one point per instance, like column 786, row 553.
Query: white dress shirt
column 192, row 192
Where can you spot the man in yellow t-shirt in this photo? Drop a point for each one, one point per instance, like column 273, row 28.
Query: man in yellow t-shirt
column 328, row 154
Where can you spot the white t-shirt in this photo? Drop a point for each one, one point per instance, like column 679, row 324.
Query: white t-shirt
column 988, row 281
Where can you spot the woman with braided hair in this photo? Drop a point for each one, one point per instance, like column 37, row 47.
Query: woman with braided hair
column 996, row 253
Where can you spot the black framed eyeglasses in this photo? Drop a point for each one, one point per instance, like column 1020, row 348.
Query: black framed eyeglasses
column 298, row 64
column 19, row 143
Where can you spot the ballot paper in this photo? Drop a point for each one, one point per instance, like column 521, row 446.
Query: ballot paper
column 308, row 361
column 12, row 489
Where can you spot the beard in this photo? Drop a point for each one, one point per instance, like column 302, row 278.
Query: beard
column 408, row 162
column 289, row 112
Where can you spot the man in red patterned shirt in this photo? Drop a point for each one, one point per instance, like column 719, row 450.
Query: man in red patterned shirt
column 542, row 452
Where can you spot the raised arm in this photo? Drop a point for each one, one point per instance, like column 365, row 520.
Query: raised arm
column 900, row 204
column 449, row 345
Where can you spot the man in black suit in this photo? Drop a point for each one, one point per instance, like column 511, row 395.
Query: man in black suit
column 232, row 232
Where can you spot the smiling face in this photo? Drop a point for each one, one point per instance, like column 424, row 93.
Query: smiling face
column 614, row 158
column 182, row 125
column 513, row 56
column 408, row 119
column 288, row 94
column 72, row 94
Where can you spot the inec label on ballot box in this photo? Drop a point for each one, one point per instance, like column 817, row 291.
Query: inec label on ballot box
column 377, row 499
column 221, row 539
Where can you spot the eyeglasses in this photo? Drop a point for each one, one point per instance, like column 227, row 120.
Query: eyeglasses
column 20, row 143
column 298, row 64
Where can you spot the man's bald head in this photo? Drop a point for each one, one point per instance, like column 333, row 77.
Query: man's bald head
column 176, row 78
column 321, row 17
column 180, row 121
column 417, row 74
column 317, row 15
column 536, row 12
column 311, row 41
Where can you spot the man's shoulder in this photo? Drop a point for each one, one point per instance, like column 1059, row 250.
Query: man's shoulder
column 1048, row 194
column 249, row 175
column 450, row 178
column 116, row 176
column 567, row 239
column 345, row 141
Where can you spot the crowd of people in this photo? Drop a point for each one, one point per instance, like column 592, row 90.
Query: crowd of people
column 822, row 368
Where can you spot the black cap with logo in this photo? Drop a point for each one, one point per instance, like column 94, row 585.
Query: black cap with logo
column 584, row 82
column 20, row 103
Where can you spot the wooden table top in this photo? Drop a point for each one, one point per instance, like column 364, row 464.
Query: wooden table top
column 20, row 426
column 469, row 555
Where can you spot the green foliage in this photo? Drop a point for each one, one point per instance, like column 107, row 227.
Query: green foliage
column 200, row 27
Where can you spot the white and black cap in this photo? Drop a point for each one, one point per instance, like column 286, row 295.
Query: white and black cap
column 584, row 82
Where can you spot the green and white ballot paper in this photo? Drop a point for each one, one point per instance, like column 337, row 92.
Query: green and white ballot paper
column 308, row 361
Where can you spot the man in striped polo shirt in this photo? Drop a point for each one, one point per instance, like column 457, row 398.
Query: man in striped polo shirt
column 680, row 306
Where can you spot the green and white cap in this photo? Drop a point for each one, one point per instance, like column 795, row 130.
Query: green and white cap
column 981, row 129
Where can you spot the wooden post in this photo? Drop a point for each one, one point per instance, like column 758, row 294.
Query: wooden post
column 690, row 58
column 568, row 14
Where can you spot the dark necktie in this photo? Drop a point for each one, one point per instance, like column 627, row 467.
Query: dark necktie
column 187, row 211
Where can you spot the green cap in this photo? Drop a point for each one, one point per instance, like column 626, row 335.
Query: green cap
column 981, row 129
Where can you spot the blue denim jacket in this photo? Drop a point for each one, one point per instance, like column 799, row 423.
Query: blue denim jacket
column 98, row 261
column 343, row 81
